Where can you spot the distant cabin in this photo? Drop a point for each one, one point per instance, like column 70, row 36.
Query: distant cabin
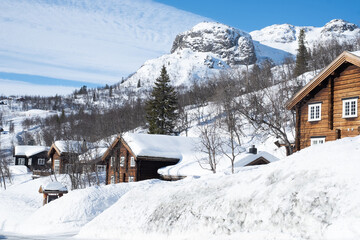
column 135, row 157
column 327, row 107
column 64, row 155
column 34, row 157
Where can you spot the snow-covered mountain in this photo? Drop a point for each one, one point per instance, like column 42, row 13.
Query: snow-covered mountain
column 90, row 41
column 209, row 47
column 284, row 36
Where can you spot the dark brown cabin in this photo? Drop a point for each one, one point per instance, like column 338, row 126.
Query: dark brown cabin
column 327, row 107
column 34, row 157
column 123, row 165
column 64, row 156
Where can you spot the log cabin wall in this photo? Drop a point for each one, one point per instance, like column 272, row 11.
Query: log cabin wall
column 121, row 171
column 342, row 84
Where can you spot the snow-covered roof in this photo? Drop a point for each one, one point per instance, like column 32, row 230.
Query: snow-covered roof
column 247, row 158
column 357, row 53
column 55, row 186
column 190, row 165
column 151, row 145
column 29, row 151
column 70, row 146
column 93, row 154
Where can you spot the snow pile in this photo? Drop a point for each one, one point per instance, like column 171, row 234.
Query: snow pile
column 70, row 212
column 312, row 194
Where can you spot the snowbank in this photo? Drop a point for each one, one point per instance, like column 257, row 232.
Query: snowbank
column 312, row 194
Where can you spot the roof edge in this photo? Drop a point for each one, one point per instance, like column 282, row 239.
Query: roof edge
column 337, row 62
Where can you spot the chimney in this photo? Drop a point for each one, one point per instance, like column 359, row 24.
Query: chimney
column 253, row 150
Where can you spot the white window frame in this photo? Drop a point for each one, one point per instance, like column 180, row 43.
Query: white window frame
column 122, row 161
column 317, row 140
column 352, row 111
column 112, row 161
column 29, row 161
column 41, row 161
column 100, row 168
column 132, row 162
column 57, row 166
column 131, row 179
column 314, row 106
column 112, row 179
column 21, row 161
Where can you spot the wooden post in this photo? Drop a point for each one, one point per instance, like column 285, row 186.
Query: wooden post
column 331, row 102
column 297, row 127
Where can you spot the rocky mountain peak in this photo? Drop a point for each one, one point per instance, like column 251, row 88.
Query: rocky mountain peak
column 339, row 26
column 232, row 45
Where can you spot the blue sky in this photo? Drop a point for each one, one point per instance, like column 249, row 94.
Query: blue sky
column 253, row 15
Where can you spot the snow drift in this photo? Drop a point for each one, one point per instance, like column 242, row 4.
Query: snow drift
column 312, row 194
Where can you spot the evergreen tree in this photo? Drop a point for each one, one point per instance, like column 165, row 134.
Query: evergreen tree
column 161, row 108
column 301, row 56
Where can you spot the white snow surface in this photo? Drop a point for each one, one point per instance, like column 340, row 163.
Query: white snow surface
column 28, row 150
column 55, row 186
column 152, row 145
column 312, row 194
column 284, row 36
column 69, row 146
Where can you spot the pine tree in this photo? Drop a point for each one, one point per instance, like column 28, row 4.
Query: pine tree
column 301, row 56
column 161, row 108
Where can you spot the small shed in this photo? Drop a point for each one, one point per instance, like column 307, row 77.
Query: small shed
column 52, row 191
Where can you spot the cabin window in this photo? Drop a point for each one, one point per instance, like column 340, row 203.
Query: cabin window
column 350, row 108
column 132, row 162
column 57, row 166
column 112, row 180
column 112, row 161
column 314, row 112
column 317, row 140
column 100, row 168
column 130, row 179
column 29, row 161
column 122, row 161
column 21, row 161
column 41, row 161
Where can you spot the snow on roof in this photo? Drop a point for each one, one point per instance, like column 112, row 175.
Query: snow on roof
column 247, row 158
column 357, row 53
column 93, row 154
column 29, row 151
column 70, row 146
column 151, row 145
column 55, row 186
column 190, row 166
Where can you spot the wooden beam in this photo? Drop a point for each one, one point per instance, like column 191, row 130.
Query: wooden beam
column 331, row 103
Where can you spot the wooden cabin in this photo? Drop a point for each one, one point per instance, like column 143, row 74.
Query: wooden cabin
column 64, row 155
column 327, row 107
column 91, row 160
column 136, row 157
column 34, row 157
column 52, row 191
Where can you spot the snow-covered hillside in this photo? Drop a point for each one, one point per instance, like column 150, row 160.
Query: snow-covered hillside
column 91, row 41
column 312, row 194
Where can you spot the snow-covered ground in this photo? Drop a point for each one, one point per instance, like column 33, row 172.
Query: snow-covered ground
column 312, row 194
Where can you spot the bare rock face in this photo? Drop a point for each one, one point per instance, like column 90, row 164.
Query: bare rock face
column 234, row 46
